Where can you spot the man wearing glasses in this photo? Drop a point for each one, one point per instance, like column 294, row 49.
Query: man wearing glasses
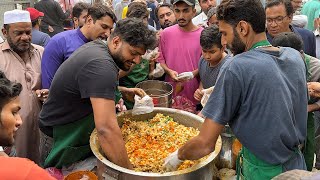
column 279, row 15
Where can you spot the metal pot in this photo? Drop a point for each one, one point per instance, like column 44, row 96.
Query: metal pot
column 110, row 171
column 161, row 92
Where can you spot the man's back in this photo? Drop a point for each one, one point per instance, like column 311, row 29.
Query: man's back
column 53, row 16
column 88, row 70
column 40, row 38
column 264, row 100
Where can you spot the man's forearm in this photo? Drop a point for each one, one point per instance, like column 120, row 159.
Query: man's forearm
column 166, row 68
column 114, row 148
column 194, row 149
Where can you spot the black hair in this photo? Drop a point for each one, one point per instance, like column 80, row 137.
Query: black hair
column 287, row 4
column 34, row 22
column 6, row 26
column 251, row 11
column 288, row 39
column 137, row 10
column 212, row 11
column 97, row 11
column 8, row 90
column 210, row 36
column 160, row 6
column 135, row 33
column 78, row 8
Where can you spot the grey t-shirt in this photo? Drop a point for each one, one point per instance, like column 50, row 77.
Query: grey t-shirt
column 89, row 72
column 263, row 96
column 40, row 38
column 209, row 75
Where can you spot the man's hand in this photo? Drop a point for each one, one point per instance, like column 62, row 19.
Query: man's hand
column 50, row 29
column 120, row 106
column 314, row 89
column 172, row 162
column 128, row 93
column 173, row 75
column 198, row 94
column 42, row 94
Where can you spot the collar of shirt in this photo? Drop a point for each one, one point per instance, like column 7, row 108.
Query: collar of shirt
column 80, row 34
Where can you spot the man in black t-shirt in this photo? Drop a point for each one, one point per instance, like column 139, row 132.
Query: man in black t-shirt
column 82, row 97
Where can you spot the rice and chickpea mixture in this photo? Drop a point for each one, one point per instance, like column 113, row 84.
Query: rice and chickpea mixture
column 149, row 142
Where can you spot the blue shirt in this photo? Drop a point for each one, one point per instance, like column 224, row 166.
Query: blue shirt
column 308, row 38
column 262, row 95
column 39, row 38
column 59, row 48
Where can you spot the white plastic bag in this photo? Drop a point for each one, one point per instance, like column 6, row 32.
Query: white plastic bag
column 157, row 72
column 206, row 94
column 185, row 76
column 142, row 105
column 150, row 54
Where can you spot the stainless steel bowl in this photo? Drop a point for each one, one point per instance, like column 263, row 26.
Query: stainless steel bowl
column 202, row 171
column 161, row 92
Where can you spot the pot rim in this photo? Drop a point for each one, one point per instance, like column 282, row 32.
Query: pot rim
column 95, row 149
column 157, row 96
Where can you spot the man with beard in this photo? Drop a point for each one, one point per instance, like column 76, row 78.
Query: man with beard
column 180, row 50
column 165, row 15
column 82, row 97
column 20, row 61
column 98, row 24
column 261, row 93
column 202, row 19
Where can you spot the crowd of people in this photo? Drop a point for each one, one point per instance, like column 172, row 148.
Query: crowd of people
column 249, row 64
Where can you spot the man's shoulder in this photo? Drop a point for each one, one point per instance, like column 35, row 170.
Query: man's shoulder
column 303, row 31
column 39, row 33
column 64, row 35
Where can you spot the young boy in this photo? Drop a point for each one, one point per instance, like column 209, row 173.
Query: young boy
column 213, row 57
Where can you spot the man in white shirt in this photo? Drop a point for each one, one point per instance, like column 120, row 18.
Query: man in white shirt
column 202, row 19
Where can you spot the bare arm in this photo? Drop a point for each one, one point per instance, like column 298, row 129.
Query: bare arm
column 203, row 144
column 109, row 133
column 173, row 74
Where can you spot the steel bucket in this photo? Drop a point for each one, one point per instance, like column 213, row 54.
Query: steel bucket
column 161, row 92
column 110, row 171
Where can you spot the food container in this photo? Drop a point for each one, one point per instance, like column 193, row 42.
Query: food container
column 110, row 171
column 161, row 92
column 81, row 175
column 229, row 150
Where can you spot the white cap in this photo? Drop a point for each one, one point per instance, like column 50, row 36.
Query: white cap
column 16, row 16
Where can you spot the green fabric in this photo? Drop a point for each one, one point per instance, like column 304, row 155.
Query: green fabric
column 312, row 10
column 118, row 95
column 138, row 74
column 71, row 143
column 250, row 167
column 309, row 148
column 307, row 59
column 260, row 43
